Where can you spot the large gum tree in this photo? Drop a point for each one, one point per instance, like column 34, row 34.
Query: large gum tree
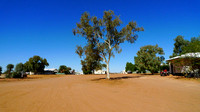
column 107, row 33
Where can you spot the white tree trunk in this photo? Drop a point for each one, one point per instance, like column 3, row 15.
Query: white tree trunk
column 108, row 74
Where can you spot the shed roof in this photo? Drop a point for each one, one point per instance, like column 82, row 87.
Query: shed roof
column 192, row 55
column 51, row 69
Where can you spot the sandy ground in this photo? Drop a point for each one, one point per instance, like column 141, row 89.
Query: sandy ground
column 92, row 93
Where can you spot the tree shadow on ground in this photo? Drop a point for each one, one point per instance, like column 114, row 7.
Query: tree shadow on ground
column 116, row 78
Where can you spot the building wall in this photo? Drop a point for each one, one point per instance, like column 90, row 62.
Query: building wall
column 99, row 72
column 179, row 66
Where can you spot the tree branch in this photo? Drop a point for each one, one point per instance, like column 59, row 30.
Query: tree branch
column 104, row 58
column 113, row 47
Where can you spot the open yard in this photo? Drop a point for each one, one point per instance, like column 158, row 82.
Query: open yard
column 92, row 93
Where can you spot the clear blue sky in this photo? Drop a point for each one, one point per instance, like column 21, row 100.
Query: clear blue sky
column 44, row 28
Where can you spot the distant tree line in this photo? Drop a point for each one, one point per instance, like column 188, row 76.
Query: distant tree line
column 35, row 64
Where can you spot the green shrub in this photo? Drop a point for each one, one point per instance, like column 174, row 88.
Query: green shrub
column 9, row 75
column 16, row 75
column 164, row 66
column 130, row 67
column 0, row 70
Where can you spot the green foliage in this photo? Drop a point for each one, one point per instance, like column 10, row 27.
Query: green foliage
column 164, row 66
column 147, row 58
column 16, row 75
column 0, row 70
column 79, row 51
column 86, row 69
column 64, row 69
column 179, row 44
column 182, row 46
column 106, row 33
column 131, row 67
column 9, row 68
column 193, row 46
column 36, row 64
column 19, row 71
column 19, row 67
column 9, row 75
column 27, row 67
column 92, row 61
column 9, row 71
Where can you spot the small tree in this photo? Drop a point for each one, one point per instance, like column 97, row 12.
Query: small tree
column 64, row 69
column 92, row 60
column 147, row 58
column 106, row 33
column 19, row 67
column 26, row 66
column 179, row 45
column 0, row 70
column 193, row 46
column 130, row 66
column 36, row 64
column 9, row 68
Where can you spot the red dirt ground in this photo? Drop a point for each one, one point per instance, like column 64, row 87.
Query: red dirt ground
column 92, row 93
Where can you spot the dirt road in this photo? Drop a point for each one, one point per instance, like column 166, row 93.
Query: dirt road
column 124, row 93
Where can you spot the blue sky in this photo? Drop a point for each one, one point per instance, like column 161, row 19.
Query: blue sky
column 44, row 28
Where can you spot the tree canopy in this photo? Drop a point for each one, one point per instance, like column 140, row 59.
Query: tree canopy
column 9, row 67
column 147, row 58
column 106, row 33
column 27, row 67
column 179, row 44
column 164, row 66
column 92, row 60
column 64, row 69
column 19, row 67
column 0, row 70
column 36, row 64
column 193, row 46
column 130, row 66
column 182, row 46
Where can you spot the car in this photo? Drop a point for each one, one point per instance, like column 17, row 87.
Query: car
column 129, row 72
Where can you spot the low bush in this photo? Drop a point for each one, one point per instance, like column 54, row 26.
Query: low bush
column 16, row 75
column 9, row 75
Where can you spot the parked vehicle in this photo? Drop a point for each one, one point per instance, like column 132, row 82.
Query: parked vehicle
column 129, row 72
column 164, row 73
